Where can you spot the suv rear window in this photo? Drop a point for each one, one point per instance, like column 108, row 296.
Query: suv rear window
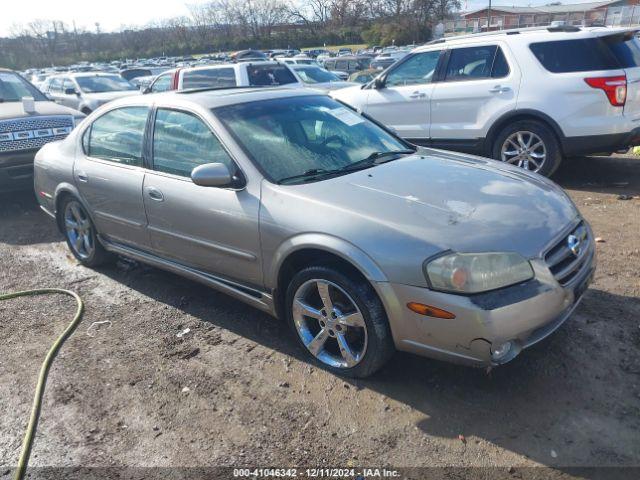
column 265, row 75
column 210, row 78
column 582, row 55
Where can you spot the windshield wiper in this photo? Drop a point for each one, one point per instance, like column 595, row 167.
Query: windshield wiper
column 311, row 174
column 376, row 158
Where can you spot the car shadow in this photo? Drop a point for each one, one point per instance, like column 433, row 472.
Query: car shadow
column 619, row 175
column 22, row 221
column 541, row 402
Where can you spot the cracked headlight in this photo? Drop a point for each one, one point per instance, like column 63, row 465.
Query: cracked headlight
column 476, row 272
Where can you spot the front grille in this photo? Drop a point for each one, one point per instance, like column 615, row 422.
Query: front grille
column 567, row 257
column 32, row 133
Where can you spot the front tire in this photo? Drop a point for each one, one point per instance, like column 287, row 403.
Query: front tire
column 81, row 234
column 529, row 144
column 339, row 321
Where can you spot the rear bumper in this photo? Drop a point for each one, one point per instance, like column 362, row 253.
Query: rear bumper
column 591, row 144
column 16, row 170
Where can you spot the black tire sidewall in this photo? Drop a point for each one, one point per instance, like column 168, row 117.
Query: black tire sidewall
column 554, row 154
column 379, row 340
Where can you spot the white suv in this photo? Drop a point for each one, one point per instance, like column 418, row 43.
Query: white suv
column 527, row 96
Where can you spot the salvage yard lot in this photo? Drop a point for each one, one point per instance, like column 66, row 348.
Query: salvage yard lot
column 234, row 390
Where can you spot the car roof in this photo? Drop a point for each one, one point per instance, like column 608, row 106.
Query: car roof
column 213, row 98
column 351, row 57
column 527, row 35
column 85, row 74
column 228, row 65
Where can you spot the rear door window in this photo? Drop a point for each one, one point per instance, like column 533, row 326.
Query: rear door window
column 580, row 55
column 67, row 84
column 118, row 135
column 56, row 85
column 265, row 75
column 471, row 63
column 210, row 78
column 500, row 65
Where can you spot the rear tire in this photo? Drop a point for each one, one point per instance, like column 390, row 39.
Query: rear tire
column 81, row 234
column 339, row 321
column 529, row 144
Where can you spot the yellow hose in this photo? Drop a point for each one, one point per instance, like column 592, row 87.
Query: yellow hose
column 27, row 443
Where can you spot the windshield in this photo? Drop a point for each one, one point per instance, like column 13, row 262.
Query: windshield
column 316, row 75
column 135, row 73
column 13, row 87
column 287, row 137
column 104, row 83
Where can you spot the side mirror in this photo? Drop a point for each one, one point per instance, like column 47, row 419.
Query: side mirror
column 146, row 89
column 378, row 82
column 211, row 175
column 71, row 91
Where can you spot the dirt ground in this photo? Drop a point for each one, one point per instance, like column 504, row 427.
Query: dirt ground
column 236, row 391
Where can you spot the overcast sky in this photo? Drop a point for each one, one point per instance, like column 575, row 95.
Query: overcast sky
column 112, row 14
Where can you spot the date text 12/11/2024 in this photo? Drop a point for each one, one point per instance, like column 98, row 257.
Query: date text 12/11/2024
column 350, row 473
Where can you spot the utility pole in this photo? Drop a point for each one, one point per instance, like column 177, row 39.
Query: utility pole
column 489, row 17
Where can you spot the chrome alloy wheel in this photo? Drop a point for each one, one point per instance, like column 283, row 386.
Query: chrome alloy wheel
column 78, row 228
column 329, row 323
column 524, row 149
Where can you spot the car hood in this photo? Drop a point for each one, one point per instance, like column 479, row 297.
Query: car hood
column 11, row 110
column 104, row 97
column 346, row 93
column 328, row 86
column 441, row 201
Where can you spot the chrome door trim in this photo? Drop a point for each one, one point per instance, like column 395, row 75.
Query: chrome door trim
column 207, row 244
column 117, row 219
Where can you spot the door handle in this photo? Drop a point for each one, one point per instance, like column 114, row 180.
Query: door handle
column 418, row 95
column 82, row 177
column 499, row 89
column 155, row 194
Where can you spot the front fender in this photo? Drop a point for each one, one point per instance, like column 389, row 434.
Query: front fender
column 328, row 243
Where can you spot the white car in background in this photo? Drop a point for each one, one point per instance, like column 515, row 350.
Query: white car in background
column 298, row 60
column 528, row 97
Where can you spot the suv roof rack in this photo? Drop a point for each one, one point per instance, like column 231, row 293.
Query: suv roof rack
column 510, row 31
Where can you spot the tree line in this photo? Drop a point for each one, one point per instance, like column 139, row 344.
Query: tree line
column 224, row 25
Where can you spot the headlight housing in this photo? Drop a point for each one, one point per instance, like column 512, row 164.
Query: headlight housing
column 476, row 272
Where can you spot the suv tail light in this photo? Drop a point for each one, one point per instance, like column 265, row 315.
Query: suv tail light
column 176, row 79
column 614, row 87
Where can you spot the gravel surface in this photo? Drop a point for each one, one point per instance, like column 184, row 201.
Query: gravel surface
column 235, row 390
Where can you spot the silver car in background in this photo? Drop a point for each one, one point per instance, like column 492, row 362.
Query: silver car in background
column 299, row 206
